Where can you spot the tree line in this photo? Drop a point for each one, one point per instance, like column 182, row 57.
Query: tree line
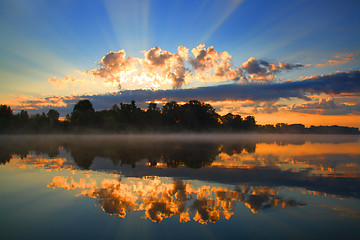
column 193, row 116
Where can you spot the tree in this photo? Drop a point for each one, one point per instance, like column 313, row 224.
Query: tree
column 196, row 115
column 53, row 116
column 39, row 123
column 83, row 106
column 153, row 116
column 231, row 121
column 250, row 123
column 153, row 107
column 6, row 115
column 23, row 115
column 171, row 113
column 5, row 112
column 131, row 116
column 115, row 108
column 83, row 114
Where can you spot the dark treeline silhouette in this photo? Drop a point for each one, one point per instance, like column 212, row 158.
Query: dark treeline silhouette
column 194, row 116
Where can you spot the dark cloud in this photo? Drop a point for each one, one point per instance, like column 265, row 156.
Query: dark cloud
column 253, row 66
column 343, row 82
column 340, row 82
column 263, row 70
column 337, row 83
column 289, row 66
column 214, row 93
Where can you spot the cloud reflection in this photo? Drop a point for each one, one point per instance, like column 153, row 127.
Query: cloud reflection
column 160, row 200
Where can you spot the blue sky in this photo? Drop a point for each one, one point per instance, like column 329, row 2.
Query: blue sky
column 41, row 40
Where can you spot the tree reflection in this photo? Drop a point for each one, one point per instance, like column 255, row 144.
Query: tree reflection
column 83, row 150
column 5, row 157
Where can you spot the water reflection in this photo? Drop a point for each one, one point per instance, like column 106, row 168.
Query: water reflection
column 162, row 200
column 195, row 178
column 245, row 151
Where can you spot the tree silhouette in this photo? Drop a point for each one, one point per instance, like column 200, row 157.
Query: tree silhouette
column 153, row 116
column 84, row 106
column 249, row 123
column 233, row 122
column 53, row 116
column 5, row 111
column 6, row 115
column 171, row 113
column 196, row 115
column 83, row 114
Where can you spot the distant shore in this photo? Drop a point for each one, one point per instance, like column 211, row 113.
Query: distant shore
column 191, row 117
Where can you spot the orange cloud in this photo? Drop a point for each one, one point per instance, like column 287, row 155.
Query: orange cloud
column 62, row 83
column 342, row 58
column 42, row 102
column 326, row 106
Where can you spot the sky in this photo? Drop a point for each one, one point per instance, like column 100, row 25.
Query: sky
column 280, row 61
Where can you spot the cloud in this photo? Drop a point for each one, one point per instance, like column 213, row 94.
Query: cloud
column 263, row 70
column 326, row 106
column 336, row 83
column 288, row 66
column 342, row 58
column 211, row 66
column 112, row 64
column 225, row 68
column 204, row 59
column 154, row 71
column 168, row 65
column 183, row 52
column 62, row 83
column 45, row 102
column 266, row 107
column 157, row 57
column 255, row 68
column 161, row 69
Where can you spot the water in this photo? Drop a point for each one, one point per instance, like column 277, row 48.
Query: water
column 180, row 186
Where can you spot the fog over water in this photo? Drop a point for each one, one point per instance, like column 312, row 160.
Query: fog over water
column 219, row 137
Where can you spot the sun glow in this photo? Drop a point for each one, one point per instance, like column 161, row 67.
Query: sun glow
column 135, row 79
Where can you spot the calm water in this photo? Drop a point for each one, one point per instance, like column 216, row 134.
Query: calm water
column 181, row 186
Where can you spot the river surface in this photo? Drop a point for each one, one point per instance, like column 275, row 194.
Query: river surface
column 180, row 187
